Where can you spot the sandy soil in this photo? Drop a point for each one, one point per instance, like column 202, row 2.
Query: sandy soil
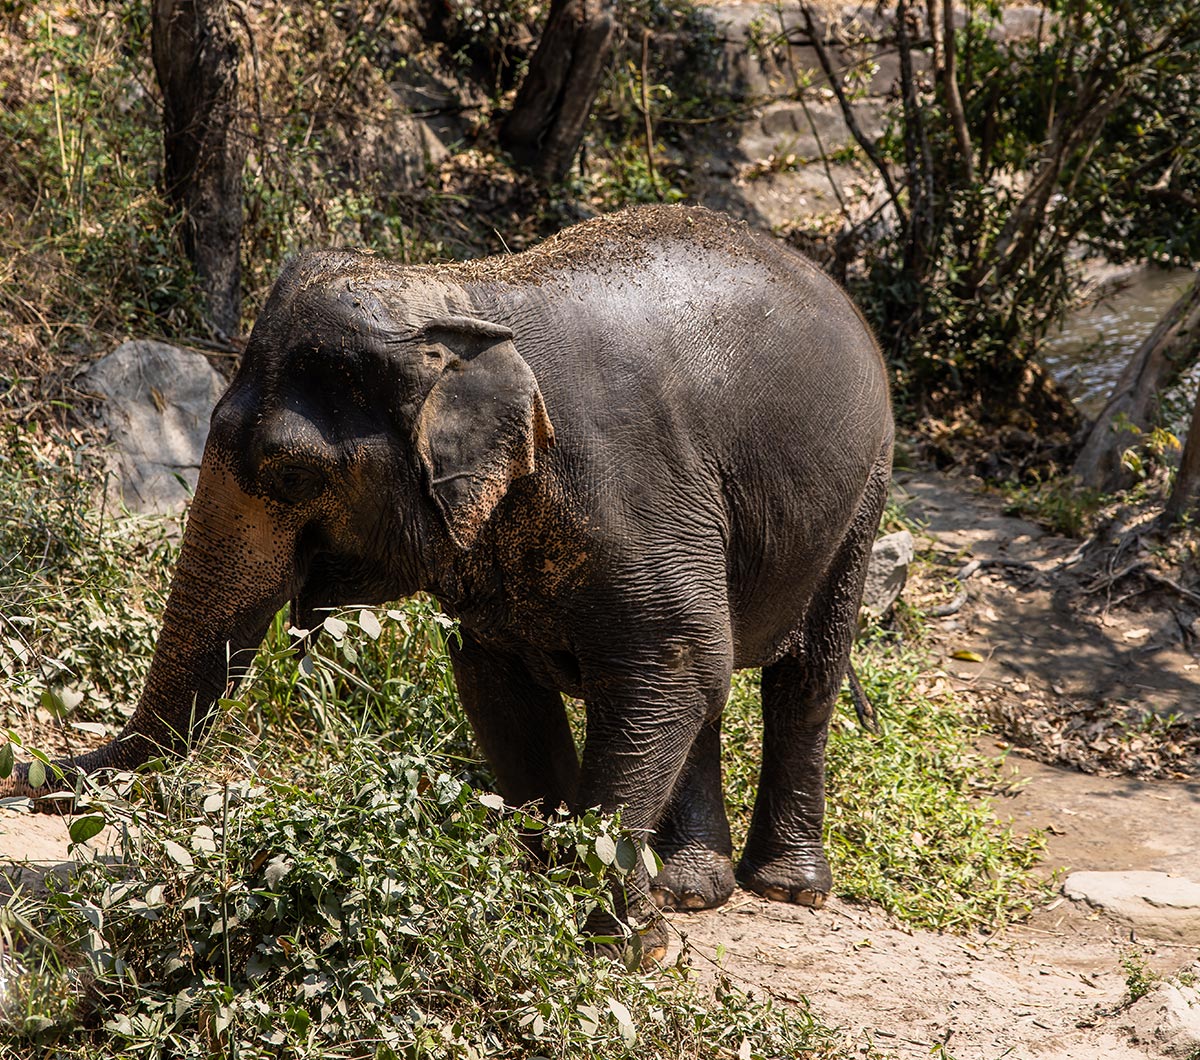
column 1051, row 988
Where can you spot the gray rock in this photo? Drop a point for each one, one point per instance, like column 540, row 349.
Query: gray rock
column 1167, row 1020
column 1156, row 904
column 157, row 400
column 888, row 572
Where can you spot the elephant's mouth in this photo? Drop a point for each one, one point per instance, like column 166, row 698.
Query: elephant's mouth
column 328, row 581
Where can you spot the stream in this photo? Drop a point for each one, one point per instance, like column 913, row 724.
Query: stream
column 1095, row 343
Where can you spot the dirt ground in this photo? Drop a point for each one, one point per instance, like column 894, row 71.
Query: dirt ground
column 1050, row 988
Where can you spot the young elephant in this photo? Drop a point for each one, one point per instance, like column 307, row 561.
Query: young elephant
column 645, row 453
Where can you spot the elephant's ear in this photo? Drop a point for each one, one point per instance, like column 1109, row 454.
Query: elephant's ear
column 481, row 425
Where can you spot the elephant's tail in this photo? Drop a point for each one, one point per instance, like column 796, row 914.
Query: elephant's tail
column 862, row 705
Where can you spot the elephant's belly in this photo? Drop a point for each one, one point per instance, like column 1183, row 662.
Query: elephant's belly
column 776, row 581
column 768, row 621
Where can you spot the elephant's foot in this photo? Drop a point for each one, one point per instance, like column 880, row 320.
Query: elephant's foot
column 53, row 796
column 641, row 945
column 800, row 879
column 693, row 877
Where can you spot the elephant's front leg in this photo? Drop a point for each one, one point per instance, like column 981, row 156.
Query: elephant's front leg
column 642, row 727
column 521, row 726
column 692, row 837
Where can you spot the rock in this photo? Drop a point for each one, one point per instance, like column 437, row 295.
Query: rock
column 1167, row 1020
column 1155, row 904
column 157, row 404
column 887, row 572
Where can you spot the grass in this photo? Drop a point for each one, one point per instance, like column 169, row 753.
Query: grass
column 908, row 823
column 1060, row 504
column 324, row 877
column 1140, row 978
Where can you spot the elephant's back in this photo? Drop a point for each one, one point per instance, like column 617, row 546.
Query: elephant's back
column 717, row 400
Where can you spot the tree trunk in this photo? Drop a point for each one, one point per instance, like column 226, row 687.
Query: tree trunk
column 1170, row 349
column 545, row 127
column 196, row 60
column 1186, row 490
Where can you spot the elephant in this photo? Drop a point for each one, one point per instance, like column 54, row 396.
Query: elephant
column 645, row 453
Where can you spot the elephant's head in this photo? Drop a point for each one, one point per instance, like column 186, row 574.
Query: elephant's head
column 371, row 431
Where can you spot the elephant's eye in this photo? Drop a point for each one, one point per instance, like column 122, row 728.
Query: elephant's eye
column 293, row 483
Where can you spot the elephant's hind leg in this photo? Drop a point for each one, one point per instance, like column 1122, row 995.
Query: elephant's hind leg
column 783, row 858
column 692, row 838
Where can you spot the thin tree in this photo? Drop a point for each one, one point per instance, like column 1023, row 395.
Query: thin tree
column 1167, row 352
column 1185, row 494
column 545, row 127
column 196, row 60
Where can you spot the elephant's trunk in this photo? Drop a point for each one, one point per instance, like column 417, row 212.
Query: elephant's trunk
column 236, row 569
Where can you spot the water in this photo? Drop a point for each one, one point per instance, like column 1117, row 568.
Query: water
column 1095, row 343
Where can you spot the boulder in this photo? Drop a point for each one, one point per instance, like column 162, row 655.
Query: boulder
column 1166, row 1021
column 1155, row 904
column 156, row 401
column 888, row 571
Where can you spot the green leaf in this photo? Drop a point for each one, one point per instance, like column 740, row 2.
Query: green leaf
column 369, row 624
column 606, row 849
column 6, row 761
column 624, row 1020
column 651, row 861
column 627, row 854
column 335, row 627
column 178, row 854
column 297, row 1020
column 84, row 828
column 37, row 774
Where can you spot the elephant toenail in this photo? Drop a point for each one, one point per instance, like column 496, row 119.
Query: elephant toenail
column 694, row 901
column 777, row 894
column 812, row 899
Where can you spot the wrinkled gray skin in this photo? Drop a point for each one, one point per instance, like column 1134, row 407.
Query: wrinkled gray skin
column 651, row 451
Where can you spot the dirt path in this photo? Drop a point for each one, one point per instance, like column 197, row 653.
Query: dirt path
column 1051, row 988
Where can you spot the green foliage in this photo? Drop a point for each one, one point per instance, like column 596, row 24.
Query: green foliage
column 1061, row 505
column 492, row 36
column 1063, row 134
column 1152, row 450
column 92, row 244
column 1140, row 979
column 675, row 84
column 74, row 625
column 907, row 823
column 368, row 904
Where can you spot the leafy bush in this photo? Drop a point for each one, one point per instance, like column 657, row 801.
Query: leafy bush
column 372, row 905
column 80, row 589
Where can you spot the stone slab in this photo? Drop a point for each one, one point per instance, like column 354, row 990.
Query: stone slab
column 157, row 401
column 888, row 571
column 1155, row 904
column 1166, row 1022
